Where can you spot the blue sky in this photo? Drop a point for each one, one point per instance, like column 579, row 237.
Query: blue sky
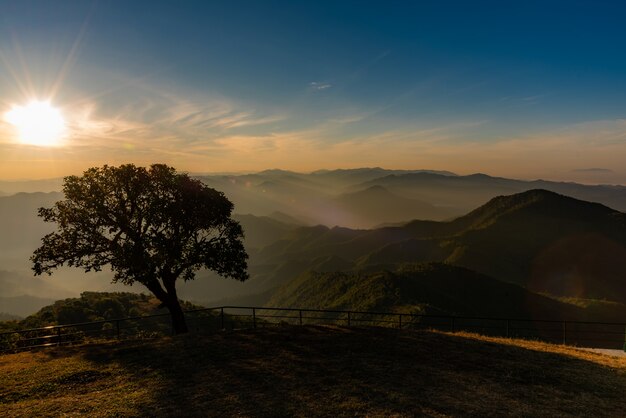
column 523, row 89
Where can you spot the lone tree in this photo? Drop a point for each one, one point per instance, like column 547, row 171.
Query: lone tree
column 151, row 225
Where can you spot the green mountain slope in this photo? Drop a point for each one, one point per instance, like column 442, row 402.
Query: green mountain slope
column 431, row 288
column 547, row 242
column 538, row 239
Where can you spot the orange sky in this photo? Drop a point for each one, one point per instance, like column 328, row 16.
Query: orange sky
column 574, row 153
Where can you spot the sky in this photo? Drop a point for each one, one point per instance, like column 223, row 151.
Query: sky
column 514, row 89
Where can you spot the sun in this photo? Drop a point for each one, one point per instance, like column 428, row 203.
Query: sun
column 38, row 123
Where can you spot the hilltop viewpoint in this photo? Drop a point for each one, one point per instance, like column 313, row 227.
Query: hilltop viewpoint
column 322, row 371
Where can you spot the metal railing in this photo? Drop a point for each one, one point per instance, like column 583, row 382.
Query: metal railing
column 207, row 320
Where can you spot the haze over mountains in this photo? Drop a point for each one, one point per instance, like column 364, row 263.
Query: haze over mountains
column 352, row 198
column 539, row 241
column 30, row 186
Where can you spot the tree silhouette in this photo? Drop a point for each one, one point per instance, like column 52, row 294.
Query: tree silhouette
column 150, row 225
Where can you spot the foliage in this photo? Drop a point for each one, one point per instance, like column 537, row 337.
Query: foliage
column 150, row 226
column 95, row 306
column 430, row 288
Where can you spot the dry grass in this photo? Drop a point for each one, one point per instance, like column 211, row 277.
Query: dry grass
column 314, row 371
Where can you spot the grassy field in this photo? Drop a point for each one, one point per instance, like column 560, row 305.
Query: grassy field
column 314, row 371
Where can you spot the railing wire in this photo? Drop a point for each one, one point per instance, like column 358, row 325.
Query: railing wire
column 215, row 319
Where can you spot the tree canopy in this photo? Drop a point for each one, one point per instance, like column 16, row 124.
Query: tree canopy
column 150, row 225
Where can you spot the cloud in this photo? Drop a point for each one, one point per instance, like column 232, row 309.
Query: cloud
column 319, row 85
column 200, row 131
column 533, row 99
column 162, row 120
column 141, row 123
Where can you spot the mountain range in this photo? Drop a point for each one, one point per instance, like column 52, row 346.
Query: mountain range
column 542, row 241
column 351, row 197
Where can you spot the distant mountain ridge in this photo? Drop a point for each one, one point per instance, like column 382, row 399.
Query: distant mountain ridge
column 319, row 197
column 9, row 187
column 466, row 192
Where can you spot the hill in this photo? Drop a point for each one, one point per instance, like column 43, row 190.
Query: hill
column 314, row 371
column 537, row 239
column 548, row 243
column 430, row 288
column 95, row 306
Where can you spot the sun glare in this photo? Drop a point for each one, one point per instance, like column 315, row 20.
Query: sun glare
column 37, row 123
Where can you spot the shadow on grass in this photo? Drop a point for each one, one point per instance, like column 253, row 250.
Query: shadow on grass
column 332, row 371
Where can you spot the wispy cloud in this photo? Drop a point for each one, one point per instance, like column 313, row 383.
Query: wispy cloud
column 160, row 117
column 319, row 85
column 207, row 132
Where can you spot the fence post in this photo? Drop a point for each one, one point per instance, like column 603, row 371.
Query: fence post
column 348, row 318
column 222, row 317
column 564, row 332
column 300, row 316
column 117, row 326
column 507, row 327
column 453, row 324
column 400, row 321
column 59, row 336
column 254, row 317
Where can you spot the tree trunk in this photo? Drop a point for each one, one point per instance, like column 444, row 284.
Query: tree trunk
column 179, row 324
